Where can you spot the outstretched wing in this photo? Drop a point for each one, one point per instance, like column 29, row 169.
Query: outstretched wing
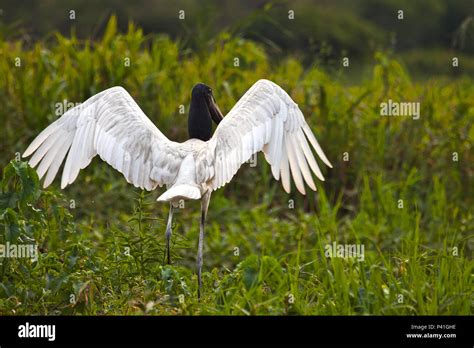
column 266, row 119
column 113, row 126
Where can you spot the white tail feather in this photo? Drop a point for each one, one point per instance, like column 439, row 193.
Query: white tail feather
column 180, row 191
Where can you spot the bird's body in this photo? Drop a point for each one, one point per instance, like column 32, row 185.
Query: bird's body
column 110, row 124
column 188, row 183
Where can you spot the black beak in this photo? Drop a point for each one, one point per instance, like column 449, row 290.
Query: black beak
column 214, row 110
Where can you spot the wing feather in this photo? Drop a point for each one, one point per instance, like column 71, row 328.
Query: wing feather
column 309, row 156
column 302, row 164
column 316, row 146
column 49, row 158
column 264, row 119
column 54, row 167
column 285, row 172
column 44, row 148
column 295, row 169
column 109, row 124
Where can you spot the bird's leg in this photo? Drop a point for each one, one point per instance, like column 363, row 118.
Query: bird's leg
column 168, row 233
column 204, row 205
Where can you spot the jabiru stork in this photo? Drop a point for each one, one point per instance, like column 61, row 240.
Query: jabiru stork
column 112, row 125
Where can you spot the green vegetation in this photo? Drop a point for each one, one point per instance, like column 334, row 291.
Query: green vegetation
column 101, row 240
column 310, row 29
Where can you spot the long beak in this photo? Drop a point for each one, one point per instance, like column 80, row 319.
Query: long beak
column 216, row 113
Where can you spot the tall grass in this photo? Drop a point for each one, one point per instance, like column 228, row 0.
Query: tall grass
column 102, row 252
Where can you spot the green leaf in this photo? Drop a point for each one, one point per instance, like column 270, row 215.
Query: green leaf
column 27, row 191
column 250, row 269
column 8, row 200
column 11, row 225
column 110, row 30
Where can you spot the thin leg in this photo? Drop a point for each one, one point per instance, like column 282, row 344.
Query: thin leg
column 168, row 233
column 204, row 205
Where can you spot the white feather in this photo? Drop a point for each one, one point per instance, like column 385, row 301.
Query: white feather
column 265, row 119
column 54, row 167
column 44, row 148
column 110, row 124
column 285, row 172
column 295, row 169
column 302, row 164
column 113, row 126
column 40, row 139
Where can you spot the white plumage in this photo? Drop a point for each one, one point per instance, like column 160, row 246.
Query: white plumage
column 265, row 119
column 110, row 124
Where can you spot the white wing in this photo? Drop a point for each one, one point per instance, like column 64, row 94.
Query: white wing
column 265, row 119
column 113, row 126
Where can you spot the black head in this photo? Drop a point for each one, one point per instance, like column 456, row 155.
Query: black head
column 203, row 109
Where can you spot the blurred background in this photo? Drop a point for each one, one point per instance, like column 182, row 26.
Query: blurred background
column 428, row 36
column 401, row 187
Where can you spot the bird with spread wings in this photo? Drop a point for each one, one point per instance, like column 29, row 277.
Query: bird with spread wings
column 112, row 125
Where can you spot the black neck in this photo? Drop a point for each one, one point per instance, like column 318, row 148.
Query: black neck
column 199, row 119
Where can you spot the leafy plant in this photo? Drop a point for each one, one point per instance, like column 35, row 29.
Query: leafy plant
column 400, row 187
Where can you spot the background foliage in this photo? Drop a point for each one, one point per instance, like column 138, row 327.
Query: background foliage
column 321, row 29
column 107, row 251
